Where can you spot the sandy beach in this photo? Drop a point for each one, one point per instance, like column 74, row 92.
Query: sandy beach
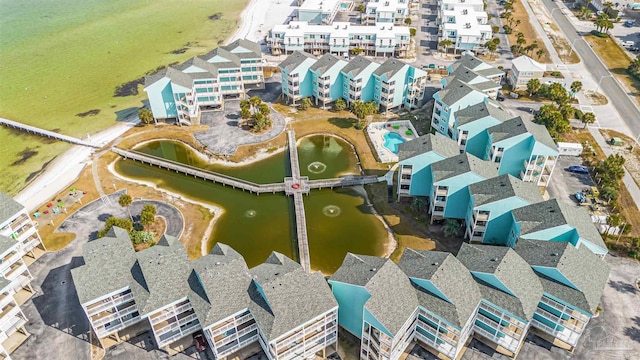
column 259, row 17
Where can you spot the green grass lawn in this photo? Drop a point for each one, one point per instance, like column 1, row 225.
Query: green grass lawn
column 61, row 58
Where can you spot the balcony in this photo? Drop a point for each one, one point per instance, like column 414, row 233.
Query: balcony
column 566, row 335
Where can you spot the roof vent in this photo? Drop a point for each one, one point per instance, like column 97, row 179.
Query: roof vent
column 494, row 259
column 276, row 274
column 218, row 263
column 555, row 254
column 373, row 269
column 435, row 264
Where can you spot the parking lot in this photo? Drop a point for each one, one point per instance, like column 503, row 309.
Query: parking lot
column 565, row 184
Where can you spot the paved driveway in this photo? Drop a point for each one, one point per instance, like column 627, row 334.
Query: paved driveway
column 57, row 322
column 565, row 184
column 224, row 136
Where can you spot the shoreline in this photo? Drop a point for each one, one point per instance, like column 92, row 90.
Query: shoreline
column 216, row 210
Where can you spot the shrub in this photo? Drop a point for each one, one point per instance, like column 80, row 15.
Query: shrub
column 599, row 34
column 126, row 224
column 396, row 127
column 139, row 237
column 556, row 74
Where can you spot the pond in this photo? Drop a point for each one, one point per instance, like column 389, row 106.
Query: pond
column 338, row 221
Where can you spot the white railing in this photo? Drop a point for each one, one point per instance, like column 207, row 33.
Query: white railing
column 112, row 302
column 26, row 233
column 498, row 327
column 503, row 341
column 558, row 320
column 449, row 351
column 564, row 336
column 170, row 313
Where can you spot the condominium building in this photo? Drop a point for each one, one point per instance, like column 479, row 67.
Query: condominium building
column 522, row 149
column 456, row 96
column 327, row 79
column 391, row 85
column 385, row 11
column 510, row 295
column 276, row 305
column 553, row 220
column 340, row 39
column 469, row 125
column 490, row 203
column 478, row 66
column 573, row 280
column 319, row 11
column 465, row 23
column 296, row 78
column 182, row 91
column 415, row 157
column 523, row 69
column 449, row 181
column 15, row 223
column 491, row 293
column 15, row 279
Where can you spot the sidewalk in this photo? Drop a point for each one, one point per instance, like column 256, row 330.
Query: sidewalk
column 627, row 179
column 66, row 168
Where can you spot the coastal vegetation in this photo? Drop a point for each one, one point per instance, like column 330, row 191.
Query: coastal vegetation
column 64, row 74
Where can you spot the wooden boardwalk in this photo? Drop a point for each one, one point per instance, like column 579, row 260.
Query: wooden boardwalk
column 295, row 185
column 46, row 133
column 199, row 173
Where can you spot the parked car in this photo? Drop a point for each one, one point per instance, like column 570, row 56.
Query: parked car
column 634, row 48
column 578, row 169
column 580, row 197
column 201, row 343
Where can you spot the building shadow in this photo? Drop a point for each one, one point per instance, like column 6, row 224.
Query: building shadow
column 58, row 303
column 623, row 287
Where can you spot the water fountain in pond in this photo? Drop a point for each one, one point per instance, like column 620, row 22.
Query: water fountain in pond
column 250, row 213
column 317, row 167
column 331, row 210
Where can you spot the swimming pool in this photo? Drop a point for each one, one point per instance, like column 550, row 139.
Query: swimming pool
column 392, row 140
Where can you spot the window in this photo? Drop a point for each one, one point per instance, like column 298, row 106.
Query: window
column 404, row 187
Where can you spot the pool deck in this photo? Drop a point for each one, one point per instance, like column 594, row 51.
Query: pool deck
column 376, row 132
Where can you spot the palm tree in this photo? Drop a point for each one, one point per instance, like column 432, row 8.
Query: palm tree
column 305, row 104
column 613, row 220
column 540, row 53
column 339, row 105
column 576, row 86
column 145, row 115
column 125, row 201
column 445, row 43
column 451, row 228
column 588, row 118
column 407, row 21
column 491, row 46
column 533, row 86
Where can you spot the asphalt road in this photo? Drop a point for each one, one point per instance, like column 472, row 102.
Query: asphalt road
column 608, row 85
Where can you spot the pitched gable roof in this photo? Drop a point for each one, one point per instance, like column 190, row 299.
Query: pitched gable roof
column 579, row 266
column 450, row 277
column 518, row 126
column 294, row 60
column 356, row 66
column 326, row 62
column 462, row 164
column 511, row 270
column 479, row 111
column 552, row 213
column 504, row 187
column 8, row 207
column 389, row 68
column 437, row 143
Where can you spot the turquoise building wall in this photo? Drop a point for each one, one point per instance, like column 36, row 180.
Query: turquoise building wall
column 516, row 150
column 421, row 173
column 368, row 317
column 458, row 194
column 161, row 99
column 351, row 300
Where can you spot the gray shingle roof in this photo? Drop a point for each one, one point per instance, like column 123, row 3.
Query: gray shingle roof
column 462, row 164
column 210, row 68
column 467, row 75
column 233, row 60
column 552, row 213
column 294, row 60
column 504, row 187
column 437, row 143
column 356, row 65
column 393, row 298
column 468, row 61
column 289, row 296
column 581, row 267
column 166, row 269
column 450, row 277
column 6, row 243
column 491, row 72
column 326, row 62
column 8, row 207
column 455, row 91
column 389, row 68
column 517, row 126
column 247, row 44
column 225, row 278
column 479, row 111
column 113, row 252
column 511, row 270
